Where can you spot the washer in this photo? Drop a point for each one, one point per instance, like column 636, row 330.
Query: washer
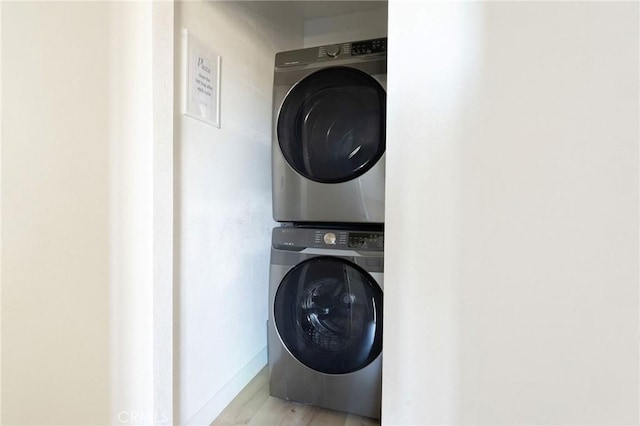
column 325, row 318
column 329, row 126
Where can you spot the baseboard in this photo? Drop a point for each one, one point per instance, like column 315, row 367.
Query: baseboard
column 220, row 400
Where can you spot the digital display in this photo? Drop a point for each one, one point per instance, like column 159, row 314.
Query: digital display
column 366, row 240
column 369, row 46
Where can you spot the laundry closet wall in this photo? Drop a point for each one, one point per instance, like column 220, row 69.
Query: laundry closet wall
column 55, row 213
column 511, row 280
column 223, row 205
column 355, row 26
column 80, row 140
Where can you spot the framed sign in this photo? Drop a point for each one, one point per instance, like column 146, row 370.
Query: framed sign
column 201, row 85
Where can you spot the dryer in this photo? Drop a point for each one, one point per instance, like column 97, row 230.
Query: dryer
column 325, row 318
column 329, row 125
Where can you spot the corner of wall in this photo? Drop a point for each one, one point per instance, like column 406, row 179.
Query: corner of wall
column 228, row 392
column 1, row 245
column 223, row 189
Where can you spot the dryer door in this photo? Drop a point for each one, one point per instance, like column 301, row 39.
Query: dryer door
column 328, row 313
column 331, row 126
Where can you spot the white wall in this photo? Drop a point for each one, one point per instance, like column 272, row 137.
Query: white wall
column 83, row 150
column 162, row 23
column 512, row 214
column 346, row 27
column 223, row 207
column 131, row 155
column 55, row 213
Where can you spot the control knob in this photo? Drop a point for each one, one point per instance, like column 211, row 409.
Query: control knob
column 330, row 238
column 333, row 51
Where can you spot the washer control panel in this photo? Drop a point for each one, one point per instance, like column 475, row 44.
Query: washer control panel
column 329, row 239
column 366, row 240
column 297, row 239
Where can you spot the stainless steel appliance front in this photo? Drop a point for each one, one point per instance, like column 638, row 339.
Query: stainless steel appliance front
column 325, row 318
column 329, row 126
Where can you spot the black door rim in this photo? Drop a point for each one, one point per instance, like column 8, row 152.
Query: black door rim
column 325, row 344
column 371, row 120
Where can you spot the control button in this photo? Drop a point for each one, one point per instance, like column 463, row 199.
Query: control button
column 333, row 51
column 330, row 238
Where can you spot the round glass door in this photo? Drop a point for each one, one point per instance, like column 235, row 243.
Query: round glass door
column 331, row 126
column 328, row 312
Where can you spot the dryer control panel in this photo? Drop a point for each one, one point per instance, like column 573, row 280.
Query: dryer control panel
column 375, row 48
column 378, row 45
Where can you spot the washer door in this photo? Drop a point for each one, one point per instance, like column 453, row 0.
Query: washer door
column 328, row 313
column 331, row 126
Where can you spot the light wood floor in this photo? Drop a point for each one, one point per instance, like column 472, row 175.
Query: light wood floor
column 254, row 406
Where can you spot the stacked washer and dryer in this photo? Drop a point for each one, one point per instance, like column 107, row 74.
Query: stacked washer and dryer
column 327, row 257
